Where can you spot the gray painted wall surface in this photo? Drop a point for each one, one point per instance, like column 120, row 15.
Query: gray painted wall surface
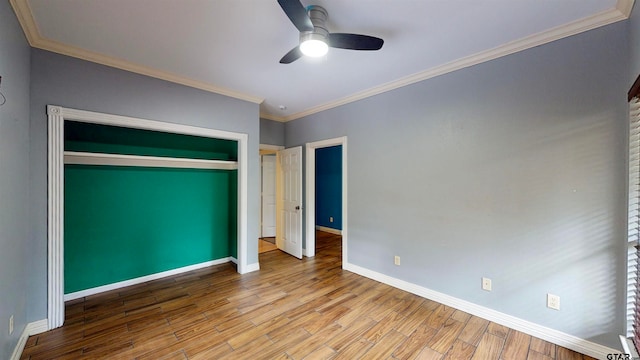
column 74, row 83
column 271, row 132
column 513, row 169
column 14, row 179
column 634, row 44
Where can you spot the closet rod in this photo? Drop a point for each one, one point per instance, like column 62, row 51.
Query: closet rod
column 86, row 158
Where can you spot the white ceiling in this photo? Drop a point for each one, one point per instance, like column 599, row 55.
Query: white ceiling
column 233, row 47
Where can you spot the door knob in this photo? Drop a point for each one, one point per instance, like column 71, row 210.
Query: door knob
column 298, row 207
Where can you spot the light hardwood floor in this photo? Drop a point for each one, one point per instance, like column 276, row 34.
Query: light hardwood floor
column 265, row 246
column 290, row 309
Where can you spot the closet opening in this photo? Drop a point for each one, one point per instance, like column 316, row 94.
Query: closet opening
column 131, row 199
column 150, row 202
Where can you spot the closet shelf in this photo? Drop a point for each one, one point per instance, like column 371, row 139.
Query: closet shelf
column 87, row 158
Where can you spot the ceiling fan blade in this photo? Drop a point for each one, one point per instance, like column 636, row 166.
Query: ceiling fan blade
column 291, row 56
column 297, row 14
column 354, row 41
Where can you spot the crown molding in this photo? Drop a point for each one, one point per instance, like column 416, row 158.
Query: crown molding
column 25, row 18
column 79, row 53
column 625, row 7
column 621, row 11
column 273, row 117
column 36, row 40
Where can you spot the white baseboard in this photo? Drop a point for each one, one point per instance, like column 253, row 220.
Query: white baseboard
column 32, row 328
column 143, row 279
column 252, row 267
column 38, row 327
column 554, row 336
column 329, row 230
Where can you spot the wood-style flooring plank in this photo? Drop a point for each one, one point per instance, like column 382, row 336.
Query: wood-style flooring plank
column 473, row 330
column 446, row 336
column 534, row 355
column 497, row 330
column 385, row 346
column 412, row 346
column 439, row 316
column 516, row 346
column 351, row 333
column 543, row 347
column 429, row 354
column 324, row 352
column 460, row 351
column 290, row 309
column 313, row 342
column 414, row 320
column 489, row 347
column 355, row 350
column 383, row 327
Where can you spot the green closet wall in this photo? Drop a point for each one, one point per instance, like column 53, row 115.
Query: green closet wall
column 88, row 137
column 126, row 222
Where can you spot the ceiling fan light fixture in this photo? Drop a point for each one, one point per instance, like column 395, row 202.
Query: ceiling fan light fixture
column 313, row 44
column 315, row 38
column 314, row 48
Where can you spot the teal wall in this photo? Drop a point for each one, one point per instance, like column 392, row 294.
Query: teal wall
column 329, row 187
column 89, row 137
column 126, row 222
column 146, row 220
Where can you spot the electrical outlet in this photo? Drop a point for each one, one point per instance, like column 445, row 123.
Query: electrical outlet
column 396, row 260
column 10, row 324
column 486, row 284
column 553, row 301
column 330, row 218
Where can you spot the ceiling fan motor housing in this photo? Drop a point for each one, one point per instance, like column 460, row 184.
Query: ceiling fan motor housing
column 318, row 16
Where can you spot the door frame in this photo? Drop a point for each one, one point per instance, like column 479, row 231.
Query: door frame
column 310, row 159
column 266, row 149
column 55, row 195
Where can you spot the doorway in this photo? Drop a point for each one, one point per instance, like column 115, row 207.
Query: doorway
column 310, row 197
column 267, row 225
column 311, row 149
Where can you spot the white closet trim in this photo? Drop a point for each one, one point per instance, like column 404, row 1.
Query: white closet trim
column 55, row 194
column 87, row 158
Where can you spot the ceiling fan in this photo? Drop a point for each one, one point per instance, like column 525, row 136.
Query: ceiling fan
column 315, row 39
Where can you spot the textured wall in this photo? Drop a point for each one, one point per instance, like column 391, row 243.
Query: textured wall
column 14, row 179
column 513, row 169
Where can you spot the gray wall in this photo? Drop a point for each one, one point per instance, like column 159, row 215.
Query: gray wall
column 271, row 132
column 74, row 83
column 513, row 169
column 634, row 42
column 14, row 179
